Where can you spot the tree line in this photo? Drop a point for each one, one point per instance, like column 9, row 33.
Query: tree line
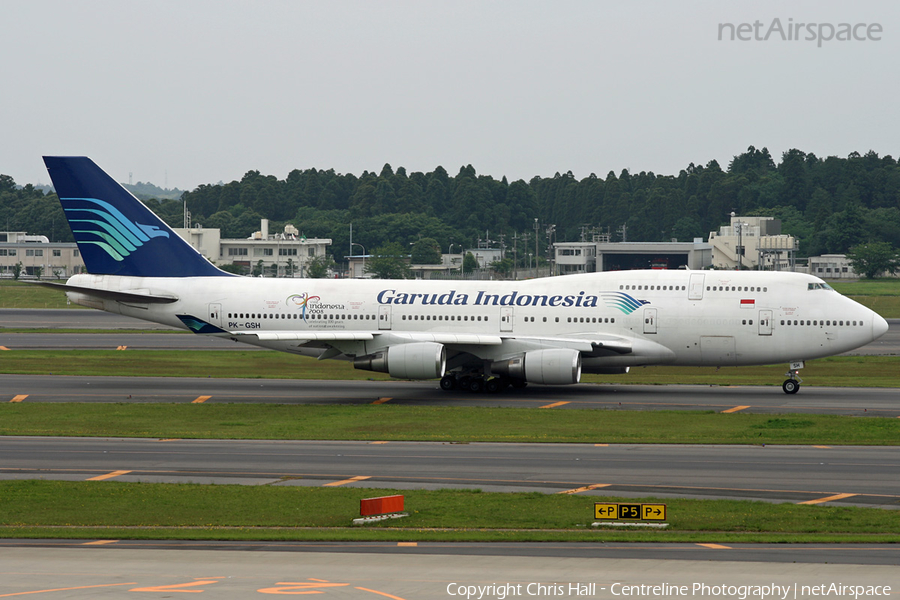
column 830, row 204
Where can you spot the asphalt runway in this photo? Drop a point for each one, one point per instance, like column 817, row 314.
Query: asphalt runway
column 865, row 476
column 411, row 571
column 883, row 402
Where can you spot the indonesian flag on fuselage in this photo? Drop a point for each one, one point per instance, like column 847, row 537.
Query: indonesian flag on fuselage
column 748, row 303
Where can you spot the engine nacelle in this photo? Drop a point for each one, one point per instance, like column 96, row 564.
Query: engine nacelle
column 424, row 360
column 558, row 366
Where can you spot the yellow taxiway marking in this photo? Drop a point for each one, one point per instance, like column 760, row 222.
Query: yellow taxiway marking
column 19, row 398
column 555, row 404
column 108, row 476
column 3, row 348
column 379, row 442
column 410, row 544
column 385, row 594
column 122, row 348
column 351, row 480
column 201, row 399
column 100, row 542
column 828, row 499
column 83, row 587
column 382, row 400
column 601, row 445
column 823, row 447
column 585, row 488
column 170, row 440
column 735, row 409
column 715, row 546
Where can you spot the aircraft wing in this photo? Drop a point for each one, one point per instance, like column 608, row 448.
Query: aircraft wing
column 591, row 345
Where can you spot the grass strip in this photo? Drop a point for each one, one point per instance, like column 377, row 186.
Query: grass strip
column 457, row 424
column 18, row 294
column 840, row 371
column 190, row 511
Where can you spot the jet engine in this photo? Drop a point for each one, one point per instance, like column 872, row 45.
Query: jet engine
column 424, row 360
column 557, row 366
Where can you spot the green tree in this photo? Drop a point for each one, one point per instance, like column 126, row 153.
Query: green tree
column 426, row 251
column 503, row 267
column 871, row 259
column 258, row 269
column 470, row 263
column 17, row 270
column 389, row 262
column 233, row 268
column 317, row 268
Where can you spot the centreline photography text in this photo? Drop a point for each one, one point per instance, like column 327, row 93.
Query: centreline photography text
column 768, row 591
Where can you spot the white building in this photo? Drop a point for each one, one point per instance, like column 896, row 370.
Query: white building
column 595, row 256
column 36, row 253
column 285, row 254
column 831, row 266
column 754, row 243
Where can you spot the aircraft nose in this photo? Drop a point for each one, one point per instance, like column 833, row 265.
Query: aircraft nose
column 879, row 327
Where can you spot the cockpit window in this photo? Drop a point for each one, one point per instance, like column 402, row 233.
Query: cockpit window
column 819, row 286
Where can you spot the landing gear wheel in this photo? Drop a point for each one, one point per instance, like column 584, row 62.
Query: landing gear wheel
column 476, row 385
column 790, row 386
column 448, row 383
column 494, row 385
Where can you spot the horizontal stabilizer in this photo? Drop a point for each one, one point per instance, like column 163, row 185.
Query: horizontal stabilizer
column 130, row 297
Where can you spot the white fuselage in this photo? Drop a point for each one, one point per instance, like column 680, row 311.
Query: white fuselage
column 669, row 317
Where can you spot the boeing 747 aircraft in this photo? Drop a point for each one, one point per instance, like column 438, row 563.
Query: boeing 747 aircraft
column 474, row 335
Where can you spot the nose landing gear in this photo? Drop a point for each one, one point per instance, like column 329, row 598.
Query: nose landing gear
column 791, row 385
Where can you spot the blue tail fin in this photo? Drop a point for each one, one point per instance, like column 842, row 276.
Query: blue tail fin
column 116, row 233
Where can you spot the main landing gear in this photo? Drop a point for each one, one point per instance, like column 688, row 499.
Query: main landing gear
column 791, row 385
column 478, row 384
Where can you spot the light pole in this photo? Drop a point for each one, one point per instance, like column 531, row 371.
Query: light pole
column 363, row 254
column 450, row 257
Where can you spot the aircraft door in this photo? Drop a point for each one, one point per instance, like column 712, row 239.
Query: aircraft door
column 215, row 314
column 649, row 320
column 695, row 287
column 506, row 318
column 765, row 322
column 384, row 316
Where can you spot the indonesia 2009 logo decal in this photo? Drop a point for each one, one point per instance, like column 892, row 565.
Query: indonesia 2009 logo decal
column 304, row 301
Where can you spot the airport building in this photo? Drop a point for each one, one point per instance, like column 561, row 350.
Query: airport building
column 38, row 255
column 753, row 243
column 285, row 254
column 596, row 256
column 832, row 266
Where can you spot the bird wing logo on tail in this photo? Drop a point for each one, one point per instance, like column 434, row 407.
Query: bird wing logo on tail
column 101, row 224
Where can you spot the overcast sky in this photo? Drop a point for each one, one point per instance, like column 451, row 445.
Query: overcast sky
column 189, row 92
